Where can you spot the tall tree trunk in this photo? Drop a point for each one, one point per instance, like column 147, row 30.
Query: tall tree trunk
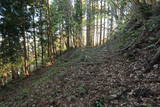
column 68, row 31
column 104, row 29
column 34, row 39
column 25, row 53
column 48, row 28
column 108, row 21
column 26, row 73
column 41, row 36
column 60, row 39
column 101, row 22
column 78, row 19
column 68, row 38
column 93, row 23
column 97, row 25
column 111, row 24
column 89, row 43
column 28, row 54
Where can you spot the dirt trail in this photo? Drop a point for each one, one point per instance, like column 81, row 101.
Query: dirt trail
column 108, row 81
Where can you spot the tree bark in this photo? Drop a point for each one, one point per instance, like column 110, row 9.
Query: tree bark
column 41, row 35
column 89, row 43
column 101, row 22
column 104, row 28
column 34, row 39
column 97, row 26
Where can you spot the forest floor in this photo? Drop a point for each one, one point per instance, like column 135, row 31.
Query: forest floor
column 87, row 77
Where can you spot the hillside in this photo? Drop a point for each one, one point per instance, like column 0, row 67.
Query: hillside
column 87, row 77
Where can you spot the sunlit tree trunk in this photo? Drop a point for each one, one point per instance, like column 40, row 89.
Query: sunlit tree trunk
column 97, row 24
column 101, row 22
column 34, row 38
column 25, row 53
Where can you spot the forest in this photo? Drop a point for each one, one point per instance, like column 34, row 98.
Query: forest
column 79, row 53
